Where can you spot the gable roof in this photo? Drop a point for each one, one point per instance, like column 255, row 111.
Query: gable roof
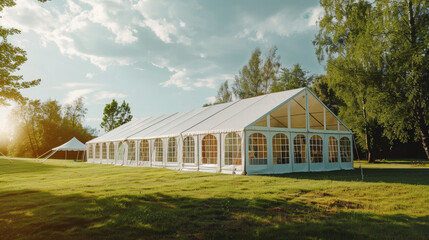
column 227, row 117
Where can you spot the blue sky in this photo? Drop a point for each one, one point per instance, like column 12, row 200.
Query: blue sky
column 159, row 56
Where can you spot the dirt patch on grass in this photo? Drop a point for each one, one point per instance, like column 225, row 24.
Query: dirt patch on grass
column 338, row 203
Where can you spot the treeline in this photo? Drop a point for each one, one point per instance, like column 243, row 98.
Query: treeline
column 377, row 78
column 39, row 126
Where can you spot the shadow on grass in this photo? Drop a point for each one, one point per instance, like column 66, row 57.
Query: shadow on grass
column 12, row 166
column 41, row 215
column 394, row 175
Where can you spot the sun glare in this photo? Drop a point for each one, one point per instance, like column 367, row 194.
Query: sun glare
column 5, row 126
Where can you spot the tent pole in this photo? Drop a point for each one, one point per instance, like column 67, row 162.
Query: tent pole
column 49, row 156
column 65, row 156
column 43, row 154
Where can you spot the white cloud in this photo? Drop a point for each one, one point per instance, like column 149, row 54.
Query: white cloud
column 316, row 14
column 93, row 119
column 211, row 99
column 72, row 95
column 182, row 24
column 73, row 7
column 179, row 79
column 108, row 95
column 283, row 23
column 89, row 75
column 78, row 84
column 212, row 82
column 202, row 55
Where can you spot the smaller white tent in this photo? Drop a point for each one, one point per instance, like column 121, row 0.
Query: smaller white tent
column 72, row 145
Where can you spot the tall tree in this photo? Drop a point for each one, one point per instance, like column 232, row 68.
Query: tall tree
column 255, row 78
column 353, row 63
column 115, row 115
column 405, row 42
column 224, row 95
column 321, row 88
column 11, row 58
column 292, row 78
column 75, row 112
column 377, row 58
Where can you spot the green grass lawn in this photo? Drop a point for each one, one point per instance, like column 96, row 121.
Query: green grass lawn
column 71, row 200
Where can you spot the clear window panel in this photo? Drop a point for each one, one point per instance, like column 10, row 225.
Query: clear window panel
column 299, row 149
column 131, row 151
column 280, row 149
column 257, row 149
column 232, row 149
column 172, row 150
column 158, row 150
column 297, row 112
column 261, row 123
column 189, row 150
column 331, row 121
column 343, row 128
column 104, row 151
column 278, row 118
column 97, row 150
column 345, row 149
column 90, row 151
column 316, row 149
column 144, row 151
column 333, row 149
column 209, row 149
column 315, row 113
column 111, row 151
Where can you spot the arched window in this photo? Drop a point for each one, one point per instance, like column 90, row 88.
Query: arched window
column 333, row 149
column 144, row 151
column 90, row 151
column 97, row 150
column 104, row 151
column 345, row 149
column 232, row 149
column 157, row 145
column 257, row 149
column 209, row 149
column 131, row 151
column 316, row 149
column 299, row 149
column 172, row 150
column 280, row 149
column 111, row 148
column 189, row 150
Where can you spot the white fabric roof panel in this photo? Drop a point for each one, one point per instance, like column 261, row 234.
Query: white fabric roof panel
column 243, row 113
column 227, row 117
column 72, row 145
column 182, row 123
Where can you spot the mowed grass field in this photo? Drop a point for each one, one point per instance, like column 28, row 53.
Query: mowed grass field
column 70, row 200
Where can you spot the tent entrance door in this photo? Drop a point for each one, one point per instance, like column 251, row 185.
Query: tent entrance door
column 299, row 153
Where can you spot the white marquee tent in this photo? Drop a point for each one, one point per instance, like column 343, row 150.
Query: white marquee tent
column 73, row 145
column 290, row 131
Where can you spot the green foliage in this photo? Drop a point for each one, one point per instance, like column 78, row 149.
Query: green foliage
column 115, row 115
column 224, row 95
column 292, row 78
column 321, row 88
column 40, row 126
column 75, row 113
column 256, row 77
column 11, row 58
column 68, row 200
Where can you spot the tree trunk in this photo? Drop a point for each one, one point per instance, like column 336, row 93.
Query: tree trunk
column 423, row 132
column 367, row 140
